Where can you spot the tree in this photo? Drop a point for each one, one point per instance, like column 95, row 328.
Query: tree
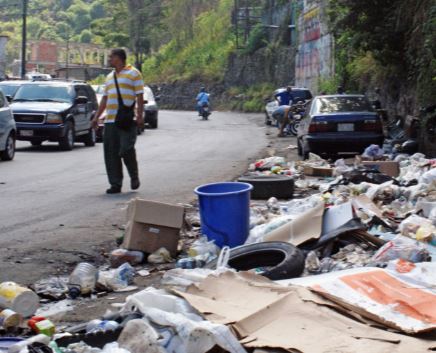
column 97, row 10
column 86, row 36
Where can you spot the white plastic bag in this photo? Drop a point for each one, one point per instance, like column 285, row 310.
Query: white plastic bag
column 160, row 299
column 401, row 248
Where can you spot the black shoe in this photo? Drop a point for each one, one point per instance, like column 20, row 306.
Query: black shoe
column 113, row 190
column 135, row 184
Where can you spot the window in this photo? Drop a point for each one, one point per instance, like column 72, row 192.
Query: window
column 9, row 90
column 342, row 104
column 44, row 93
column 81, row 91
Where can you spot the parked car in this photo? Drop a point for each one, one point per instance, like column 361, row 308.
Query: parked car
column 300, row 95
column 9, row 88
column 55, row 111
column 151, row 110
column 339, row 123
column 99, row 89
column 8, row 130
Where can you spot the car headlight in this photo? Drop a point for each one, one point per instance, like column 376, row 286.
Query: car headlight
column 54, row 119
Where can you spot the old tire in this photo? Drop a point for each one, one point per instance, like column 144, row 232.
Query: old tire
column 266, row 186
column 280, row 260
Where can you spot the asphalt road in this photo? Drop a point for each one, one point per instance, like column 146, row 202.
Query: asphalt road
column 54, row 210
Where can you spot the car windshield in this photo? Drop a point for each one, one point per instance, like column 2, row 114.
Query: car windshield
column 342, row 104
column 44, row 93
column 301, row 94
column 148, row 94
column 9, row 90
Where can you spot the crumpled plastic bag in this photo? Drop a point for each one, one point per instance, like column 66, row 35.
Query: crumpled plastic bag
column 203, row 246
column 428, row 177
column 414, row 224
column 401, row 248
column 268, row 163
column 341, row 168
column 118, row 279
column 373, row 152
column 160, row 256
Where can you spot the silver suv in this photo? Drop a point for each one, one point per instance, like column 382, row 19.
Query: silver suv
column 8, row 130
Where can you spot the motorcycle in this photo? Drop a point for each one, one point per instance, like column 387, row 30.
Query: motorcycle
column 298, row 110
column 205, row 111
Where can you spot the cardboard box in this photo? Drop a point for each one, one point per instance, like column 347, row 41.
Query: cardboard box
column 153, row 225
column 390, row 168
column 318, row 171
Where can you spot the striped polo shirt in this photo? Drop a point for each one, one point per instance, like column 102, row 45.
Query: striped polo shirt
column 130, row 83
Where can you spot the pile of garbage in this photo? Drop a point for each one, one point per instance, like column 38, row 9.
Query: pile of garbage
column 351, row 266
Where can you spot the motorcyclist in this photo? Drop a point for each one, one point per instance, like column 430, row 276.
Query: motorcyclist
column 202, row 100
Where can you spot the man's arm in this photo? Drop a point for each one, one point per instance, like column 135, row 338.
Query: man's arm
column 140, row 109
column 101, row 109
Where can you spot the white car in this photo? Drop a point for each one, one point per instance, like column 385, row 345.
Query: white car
column 8, row 130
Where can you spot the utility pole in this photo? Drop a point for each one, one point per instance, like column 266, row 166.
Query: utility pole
column 24, row 40
column 67, row 60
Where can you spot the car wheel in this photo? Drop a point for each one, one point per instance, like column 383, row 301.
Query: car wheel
column 36, row 143
column 305, row 151
column 300, row 149
column 9, row 153
column 274, row 260
column 91, row 138
column 266, row 186
column 293, row 128
column 153, row 123
column 267, row 119
column 66, row 143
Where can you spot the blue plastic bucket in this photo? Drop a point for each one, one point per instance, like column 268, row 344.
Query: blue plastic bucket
column 225, row 212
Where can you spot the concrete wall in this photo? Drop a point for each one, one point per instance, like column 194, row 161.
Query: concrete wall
column 3, row 42
column 315, row 55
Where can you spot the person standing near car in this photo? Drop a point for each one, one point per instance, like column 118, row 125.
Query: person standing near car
column 124, row 87
column 282, row 115
column 285, row 97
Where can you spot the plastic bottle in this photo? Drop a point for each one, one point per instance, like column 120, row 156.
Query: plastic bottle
column 82, row 280
column 101, row 326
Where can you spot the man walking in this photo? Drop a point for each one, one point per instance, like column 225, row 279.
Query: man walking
column 123, row 88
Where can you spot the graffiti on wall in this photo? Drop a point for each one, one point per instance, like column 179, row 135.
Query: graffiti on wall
column 314, row 57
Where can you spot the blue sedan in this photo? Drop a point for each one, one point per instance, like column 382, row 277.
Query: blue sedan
column 339, row 124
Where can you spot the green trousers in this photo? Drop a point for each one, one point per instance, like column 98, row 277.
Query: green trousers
column 119, row 145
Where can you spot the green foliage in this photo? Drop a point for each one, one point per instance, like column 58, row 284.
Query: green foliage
column 250, row 99
column 391, row 42
column 258, row 39
column 86, row 36
column 204, row 54
column 100, row 80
